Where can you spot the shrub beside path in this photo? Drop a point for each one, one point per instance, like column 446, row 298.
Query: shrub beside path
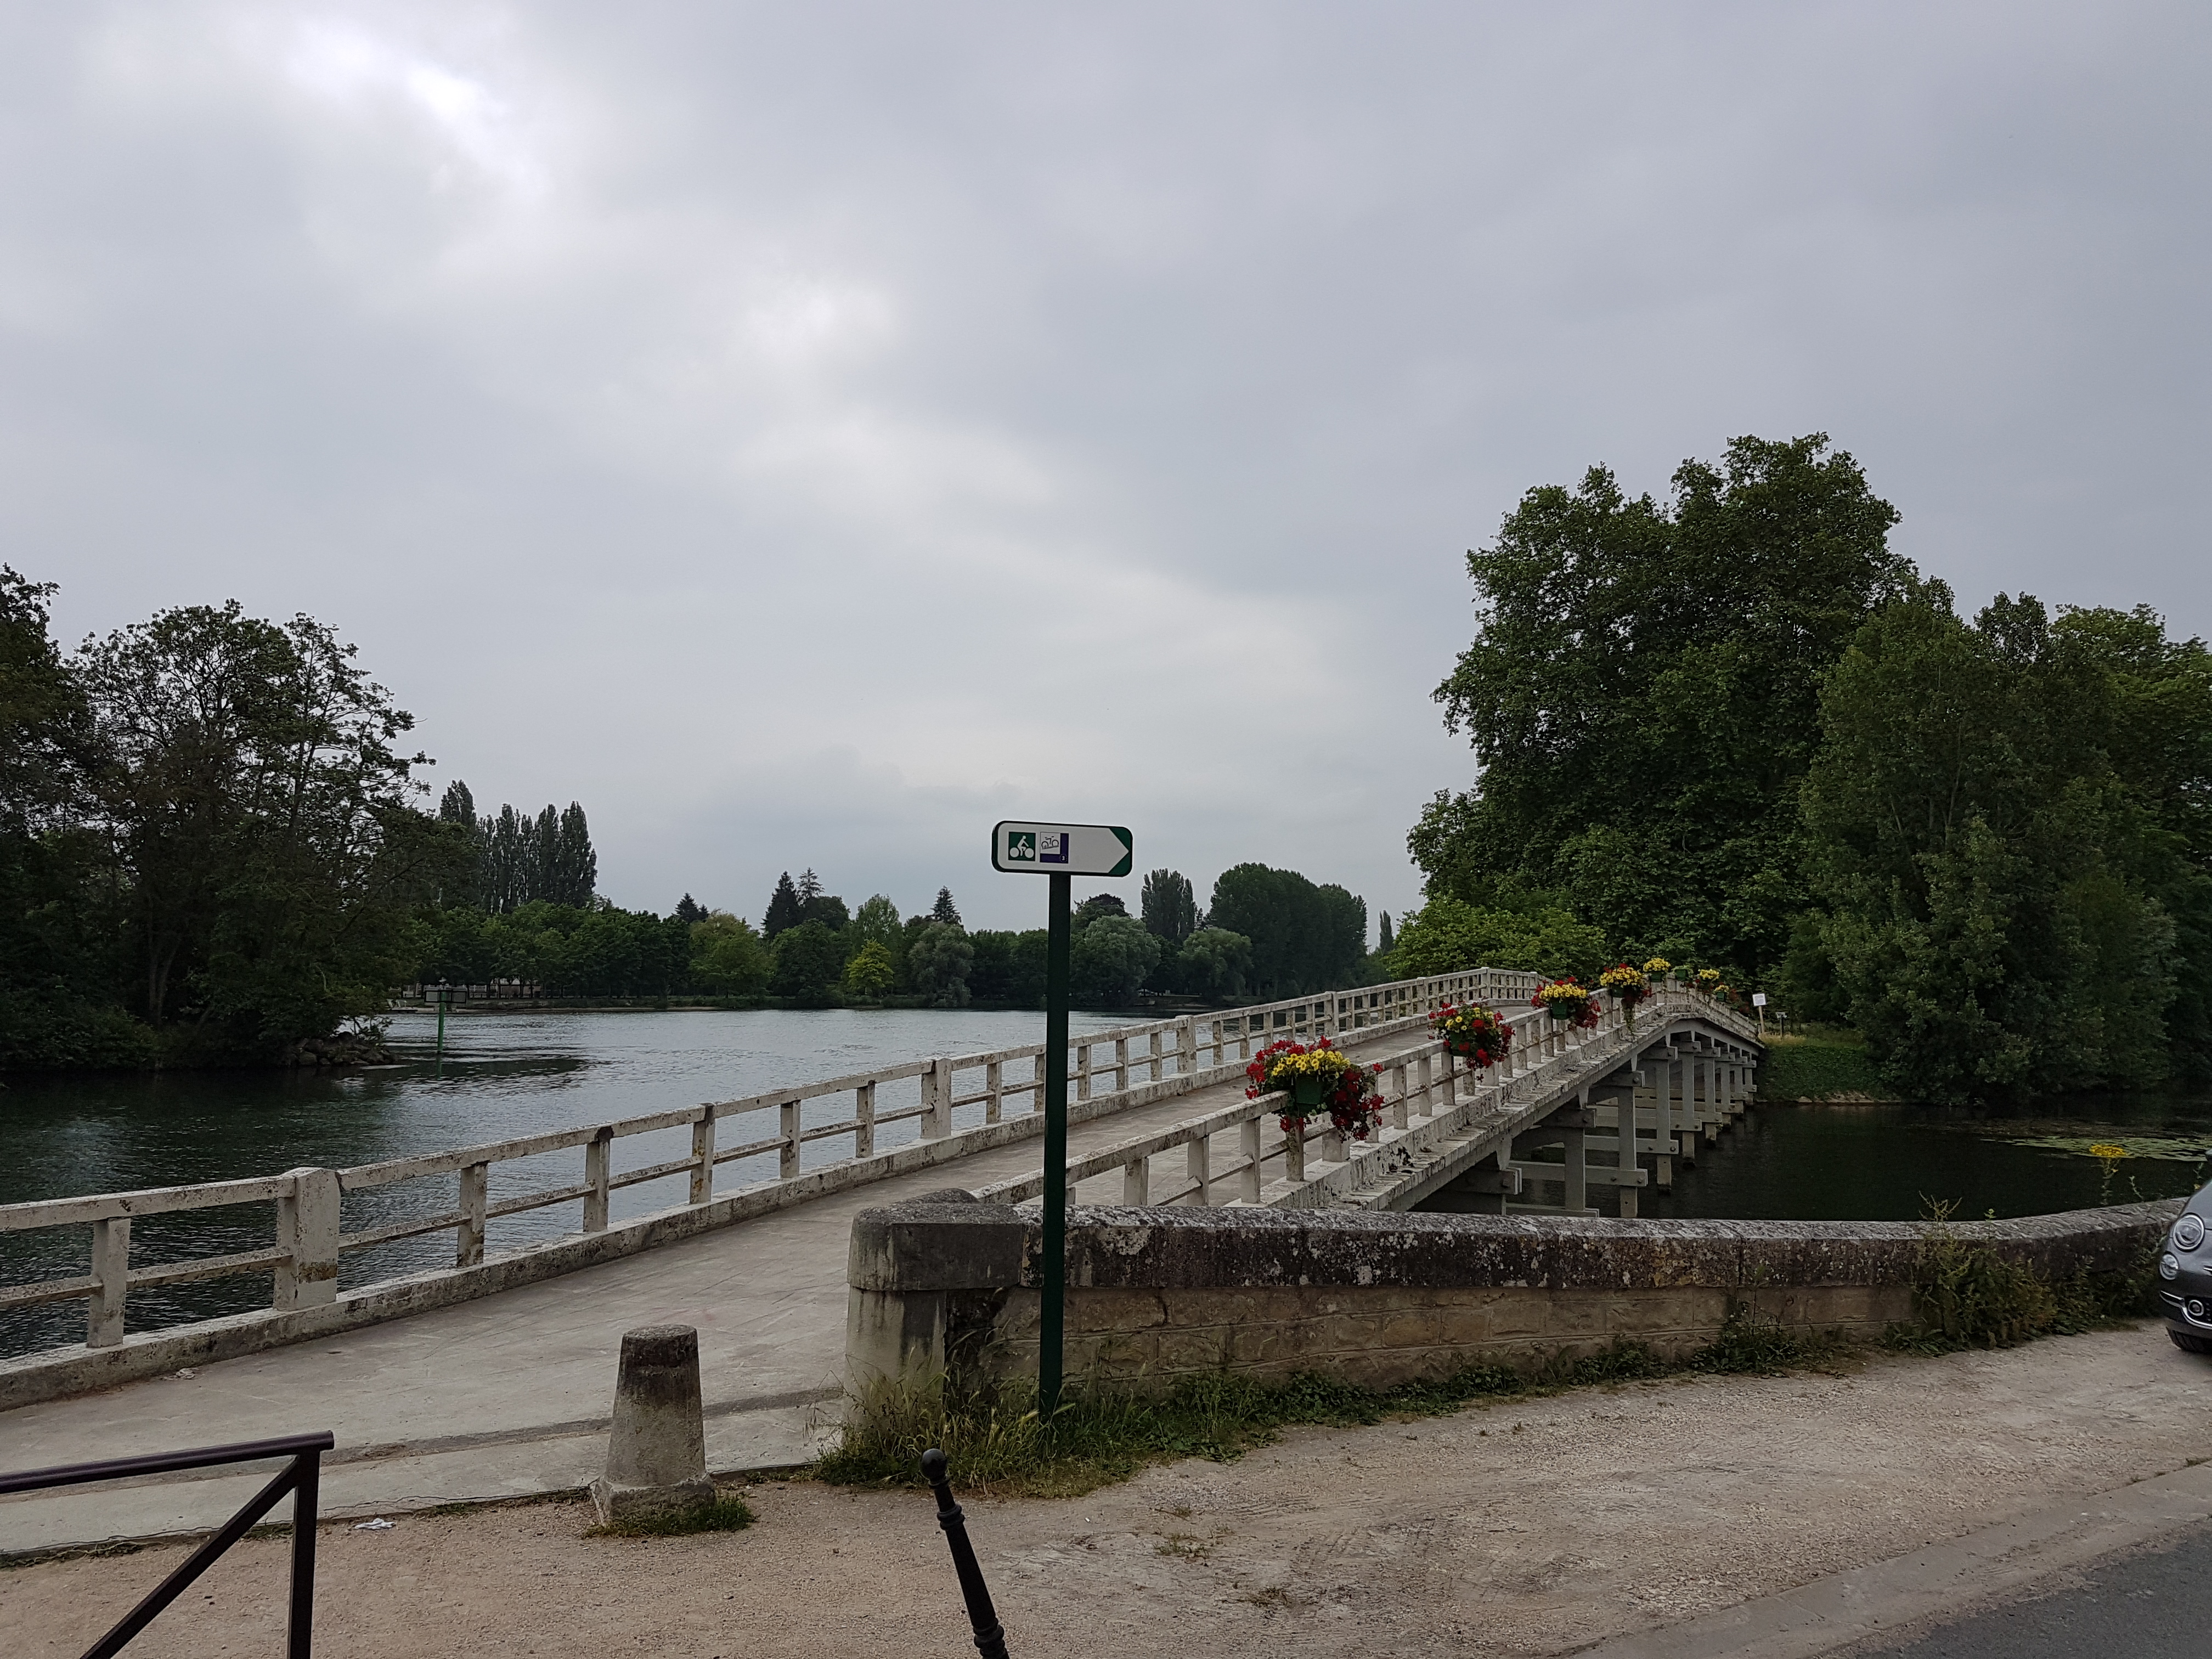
column 1535, row 1526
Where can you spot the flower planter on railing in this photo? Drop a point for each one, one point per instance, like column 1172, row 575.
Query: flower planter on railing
column 1570, row 1003
column 1476, row 1034
column 1314, row 1078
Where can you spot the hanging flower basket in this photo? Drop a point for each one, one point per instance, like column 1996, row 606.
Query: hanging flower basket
column 1628, row 985
column 1476, row 1034
column 1657, row 968
column 1564, row 1001
column 1709, row 982
column 1312, row 1079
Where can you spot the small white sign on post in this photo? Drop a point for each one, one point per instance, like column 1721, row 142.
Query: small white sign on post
column 1062, row 849
column 1759, row 999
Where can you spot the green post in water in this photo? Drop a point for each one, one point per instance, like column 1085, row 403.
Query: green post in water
column 444, row 993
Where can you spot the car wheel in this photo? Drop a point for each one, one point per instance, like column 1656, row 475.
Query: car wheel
column 2188, row 1344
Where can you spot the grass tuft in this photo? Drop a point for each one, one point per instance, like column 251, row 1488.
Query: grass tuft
column 727, row 1513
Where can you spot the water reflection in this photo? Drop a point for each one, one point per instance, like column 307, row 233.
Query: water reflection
column 1888, row 1161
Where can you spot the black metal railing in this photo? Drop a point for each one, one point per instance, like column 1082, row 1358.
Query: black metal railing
column 301, row 1477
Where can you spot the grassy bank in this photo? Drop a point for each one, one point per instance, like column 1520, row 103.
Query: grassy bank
column 1824, row 1063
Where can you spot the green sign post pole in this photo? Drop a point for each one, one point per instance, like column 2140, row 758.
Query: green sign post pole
column 1061, row 851
column 1053, row 1298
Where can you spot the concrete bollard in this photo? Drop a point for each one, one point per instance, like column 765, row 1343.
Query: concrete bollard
column 657, row 1447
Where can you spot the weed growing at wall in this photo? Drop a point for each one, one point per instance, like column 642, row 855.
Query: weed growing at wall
column 998, row 1444
column 1966, row 1295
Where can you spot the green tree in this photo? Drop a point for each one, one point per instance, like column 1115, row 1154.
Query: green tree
column 785, row 908
column 613, row 953
column 991, row 975
column 1097, row 905
column 728, row 957
column 62, row 964
column 1216, row 963
column 871, row 974
column 1303, row 937
column 809, row 961
column 829, row 910
column 1448, row 935
column 940, row 962
column 1108, row 962
column 273, row 860
column 945, row 910
column 1030, row 956
column 1642, row 695
column 1169, row 907
column 878, row 920
column 2008, row 841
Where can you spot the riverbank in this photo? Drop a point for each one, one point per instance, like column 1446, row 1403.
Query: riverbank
column 1821, row 1063
column 1527, row 1527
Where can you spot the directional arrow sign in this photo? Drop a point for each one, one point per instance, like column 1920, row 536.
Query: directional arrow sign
column 1062, row 849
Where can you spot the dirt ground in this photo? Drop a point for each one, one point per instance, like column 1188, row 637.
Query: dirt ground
column 1530, row 1528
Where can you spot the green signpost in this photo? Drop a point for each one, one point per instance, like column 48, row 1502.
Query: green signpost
column 1059, row 851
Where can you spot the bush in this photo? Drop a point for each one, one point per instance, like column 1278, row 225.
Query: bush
column 1966, row 1295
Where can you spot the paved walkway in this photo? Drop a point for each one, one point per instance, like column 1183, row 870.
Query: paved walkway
column 507, row 1395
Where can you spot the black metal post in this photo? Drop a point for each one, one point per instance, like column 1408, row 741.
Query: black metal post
column 990, row 1635
column 1053, row 1292
column 306, row 1493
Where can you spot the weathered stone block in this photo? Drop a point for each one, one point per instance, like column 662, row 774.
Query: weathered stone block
column 657, row 1444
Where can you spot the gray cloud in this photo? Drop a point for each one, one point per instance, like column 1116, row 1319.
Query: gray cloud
column 807, row 435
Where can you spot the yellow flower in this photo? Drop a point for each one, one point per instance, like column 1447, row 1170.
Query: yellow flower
column 2107, row 1151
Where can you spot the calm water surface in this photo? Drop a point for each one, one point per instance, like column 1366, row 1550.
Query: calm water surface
column 506, row 1075
column 1889, row 1163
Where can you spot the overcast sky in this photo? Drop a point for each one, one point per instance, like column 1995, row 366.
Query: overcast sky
column 808, row 433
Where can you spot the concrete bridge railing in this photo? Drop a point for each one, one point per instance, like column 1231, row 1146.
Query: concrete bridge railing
column 1442, row 1117
column 1110, row 1071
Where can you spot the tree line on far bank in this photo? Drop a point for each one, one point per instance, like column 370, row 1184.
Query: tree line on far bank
column 211, row 849
column 814, row 948
column 1737, row 728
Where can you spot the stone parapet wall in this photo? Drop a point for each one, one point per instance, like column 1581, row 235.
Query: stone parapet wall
column 946, row 1284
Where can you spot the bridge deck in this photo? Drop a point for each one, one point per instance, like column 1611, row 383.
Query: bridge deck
column 507, row 1395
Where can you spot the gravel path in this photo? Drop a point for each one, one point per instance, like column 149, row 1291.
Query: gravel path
column 1531, row 1528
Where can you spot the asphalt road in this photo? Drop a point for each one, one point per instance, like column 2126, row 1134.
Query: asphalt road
column 2152, row 1604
